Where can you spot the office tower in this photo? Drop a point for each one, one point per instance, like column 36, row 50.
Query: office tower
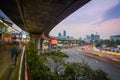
column 64, row 33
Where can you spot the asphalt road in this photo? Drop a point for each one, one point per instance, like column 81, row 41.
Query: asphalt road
column 76, row 55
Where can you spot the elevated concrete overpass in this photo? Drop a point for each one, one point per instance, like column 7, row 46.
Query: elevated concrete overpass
column 39, row 17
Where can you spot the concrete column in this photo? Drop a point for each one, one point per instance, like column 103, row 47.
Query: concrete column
column 36, row 40
column 41, row 44
column 49, row 45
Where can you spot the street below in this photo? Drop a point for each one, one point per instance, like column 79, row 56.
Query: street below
column 95, row 62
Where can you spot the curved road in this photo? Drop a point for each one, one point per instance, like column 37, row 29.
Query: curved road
column 76, row 55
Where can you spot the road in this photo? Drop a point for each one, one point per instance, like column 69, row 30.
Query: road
column 76, row 55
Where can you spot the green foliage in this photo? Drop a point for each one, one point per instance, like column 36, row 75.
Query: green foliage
column 98, row 45
column 70, row 70
column 36, row 63
column 110, row 43
column 57, row 54
column 117, row 42
column 39, row 71
column 75, row 70
column 99, row 75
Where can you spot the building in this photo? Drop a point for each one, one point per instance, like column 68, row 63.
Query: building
column 5, row 34
column 92, row 37
column 64, row 36
column 64, row 33
column 97, row 37
column 116, row 37
column 59, row 35
column 88, row 37
column 80, row 38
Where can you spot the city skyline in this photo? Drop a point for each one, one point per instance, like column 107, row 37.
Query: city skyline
column 63, row 35
column 92, row 18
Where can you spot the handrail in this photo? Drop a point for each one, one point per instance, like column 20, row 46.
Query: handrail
column 21, row 63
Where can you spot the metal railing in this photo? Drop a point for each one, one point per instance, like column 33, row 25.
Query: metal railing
column 21, row 74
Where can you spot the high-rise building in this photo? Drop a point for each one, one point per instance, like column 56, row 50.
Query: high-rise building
column 68, row 37
column 64, row 33
column 88, row 37
column 115, row 37
column 93, row 37
column 80, row 38
column 97, row 37
column 59, row 35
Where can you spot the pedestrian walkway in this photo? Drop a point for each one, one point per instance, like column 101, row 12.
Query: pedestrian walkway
column 4, row 59
column 8, row 71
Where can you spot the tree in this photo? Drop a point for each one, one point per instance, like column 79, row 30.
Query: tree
column 73, row 71
column 117, row 42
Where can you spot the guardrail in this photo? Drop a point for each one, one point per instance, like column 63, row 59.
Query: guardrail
column 24, row 73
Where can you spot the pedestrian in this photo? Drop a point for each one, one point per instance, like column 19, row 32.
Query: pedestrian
column 14, row 53
column 19, row 46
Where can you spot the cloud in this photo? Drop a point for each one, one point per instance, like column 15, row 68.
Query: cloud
column 112, row 13
column 79, row 23
column 108, row 28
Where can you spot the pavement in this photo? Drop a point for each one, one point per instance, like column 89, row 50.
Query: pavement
column 8, row 71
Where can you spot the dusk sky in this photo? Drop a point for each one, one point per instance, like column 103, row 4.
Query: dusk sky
column 101, row 16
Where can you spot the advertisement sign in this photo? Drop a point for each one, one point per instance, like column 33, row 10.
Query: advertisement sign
column 54, row 42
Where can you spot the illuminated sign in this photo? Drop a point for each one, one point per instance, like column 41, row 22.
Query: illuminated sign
column 54, row 41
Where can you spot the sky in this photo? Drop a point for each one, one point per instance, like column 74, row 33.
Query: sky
column 97, row 16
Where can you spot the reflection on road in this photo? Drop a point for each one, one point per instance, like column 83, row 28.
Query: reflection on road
column 76, row 55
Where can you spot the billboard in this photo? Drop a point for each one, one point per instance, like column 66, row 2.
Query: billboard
column 54, row 41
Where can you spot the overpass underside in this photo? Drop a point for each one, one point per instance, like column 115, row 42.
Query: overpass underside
column 39, row 17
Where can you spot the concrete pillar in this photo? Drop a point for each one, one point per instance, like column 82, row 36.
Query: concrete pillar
column 36, row 40
column 41, row 44
column 49, row 45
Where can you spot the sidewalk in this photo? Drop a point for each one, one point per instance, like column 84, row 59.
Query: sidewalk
column 4, row 62
column 7, row 70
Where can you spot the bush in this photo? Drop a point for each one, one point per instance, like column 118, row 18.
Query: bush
column 57, row 54
column 76, row 71
column 73, row 71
